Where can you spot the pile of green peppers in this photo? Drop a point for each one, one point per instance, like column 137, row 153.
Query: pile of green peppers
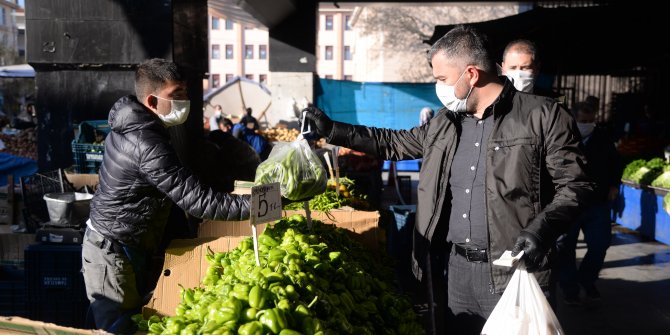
column 297, row 170
column 311, row 282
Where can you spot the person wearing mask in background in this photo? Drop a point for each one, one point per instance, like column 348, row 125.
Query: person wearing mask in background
column 140, row 178
column 426, row 114
column 213, row 120
column 249, row 120
column 605, row 167
column 521, row 65
column 502, row 170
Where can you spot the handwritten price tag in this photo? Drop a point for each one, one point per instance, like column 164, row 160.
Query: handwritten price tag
column 265, row 203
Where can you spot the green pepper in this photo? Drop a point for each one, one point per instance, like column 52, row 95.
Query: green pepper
column 257, row 297
column 284, row 305
column 267, row 240
column 273, row 319
column 249, row 314
column 156, row 328
column 289, row 332
column 190, row 329
column 251, row 328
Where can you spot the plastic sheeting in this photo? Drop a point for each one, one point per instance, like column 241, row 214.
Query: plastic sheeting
column 17, row 166
column 383, row 105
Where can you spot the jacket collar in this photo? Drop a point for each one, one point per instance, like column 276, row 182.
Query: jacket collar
column 128, row 114
column 503, row 103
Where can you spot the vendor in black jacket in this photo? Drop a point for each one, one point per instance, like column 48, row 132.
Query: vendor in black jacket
column 501, row 170
column 140, row 178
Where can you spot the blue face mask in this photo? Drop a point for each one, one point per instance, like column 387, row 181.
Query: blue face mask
column 447, row 95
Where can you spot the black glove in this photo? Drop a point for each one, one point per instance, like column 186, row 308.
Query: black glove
column 535, row 253
column 320, row 122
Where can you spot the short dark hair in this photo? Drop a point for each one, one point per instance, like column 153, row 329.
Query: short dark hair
column 583, row 107
column 151, row 75
column 524, row 46
column 221, row 120
column 466, row 45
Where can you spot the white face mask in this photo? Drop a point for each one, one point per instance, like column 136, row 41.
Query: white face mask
column 523, row 80
column 585, row 129
column 178, row 112
column 447, row 95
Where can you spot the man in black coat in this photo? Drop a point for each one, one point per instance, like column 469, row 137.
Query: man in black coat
column 140, row 178
column 605, row 167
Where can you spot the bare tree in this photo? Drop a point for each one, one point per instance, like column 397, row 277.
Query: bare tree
column 399, row 31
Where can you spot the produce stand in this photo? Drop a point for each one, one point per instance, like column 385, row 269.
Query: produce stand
column 643, row 211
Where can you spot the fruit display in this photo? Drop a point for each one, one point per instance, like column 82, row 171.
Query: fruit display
column 312, row 281
column 21, row 144
column 280, row 134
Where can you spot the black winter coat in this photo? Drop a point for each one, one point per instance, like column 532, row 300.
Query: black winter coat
column 535, row 178
column 140, row 178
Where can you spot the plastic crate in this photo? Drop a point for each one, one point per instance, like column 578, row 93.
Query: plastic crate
column 55, row 285
column 12, row 291
column 88, row 156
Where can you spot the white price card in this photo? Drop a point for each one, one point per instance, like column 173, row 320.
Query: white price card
column 265, row 203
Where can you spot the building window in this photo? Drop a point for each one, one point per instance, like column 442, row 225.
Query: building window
column 348, row 77
column 249, row 51
column 229, row 51
column 229, row 24
column 329, row 76
column 216, row 80
column 347, row 23
column 329, row 22
column 347, row 52
column 329, row 52
column 216, row 51
column 215, row 23
column 249, row 76
column 262, row 51
column 229, row 77
column 263, row 78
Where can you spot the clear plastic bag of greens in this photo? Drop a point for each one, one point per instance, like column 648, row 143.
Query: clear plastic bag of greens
column 296, row 168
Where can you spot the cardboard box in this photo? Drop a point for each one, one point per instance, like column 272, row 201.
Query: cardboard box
column 184, row 264
column 185, row 261
column 12, row 325
column 13, row 245
column 364, row 226
column 79, row 180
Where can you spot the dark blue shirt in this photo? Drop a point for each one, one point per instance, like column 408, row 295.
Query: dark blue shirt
column 467, row 223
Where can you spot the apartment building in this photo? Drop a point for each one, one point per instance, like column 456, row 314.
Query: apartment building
column 236, row 49
column 9, row 41
column 239, row 50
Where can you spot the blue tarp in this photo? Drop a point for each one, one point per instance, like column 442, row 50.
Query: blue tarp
column 17, row 166
column 383, row 105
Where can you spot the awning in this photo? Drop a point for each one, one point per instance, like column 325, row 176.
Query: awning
column 17, row 71
column 603, row 39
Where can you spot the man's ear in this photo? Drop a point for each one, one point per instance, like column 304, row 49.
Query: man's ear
column 151, row 102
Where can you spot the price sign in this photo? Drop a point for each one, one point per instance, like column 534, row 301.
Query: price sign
column 265, row 203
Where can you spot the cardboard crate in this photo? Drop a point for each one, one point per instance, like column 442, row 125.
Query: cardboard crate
column 184, row 264
column 20, row 326
column 364, row 226
column 79, row 180
column 185, row 261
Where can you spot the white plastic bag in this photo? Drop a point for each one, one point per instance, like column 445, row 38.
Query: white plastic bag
column 522, row 309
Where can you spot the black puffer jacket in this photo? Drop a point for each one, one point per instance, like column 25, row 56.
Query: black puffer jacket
column 534, row 173
column 140, row 178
